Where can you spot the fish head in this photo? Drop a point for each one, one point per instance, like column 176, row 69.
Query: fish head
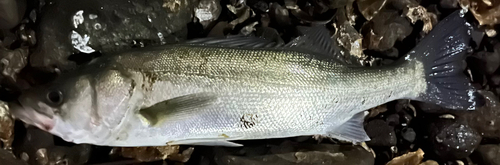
column 80, row 108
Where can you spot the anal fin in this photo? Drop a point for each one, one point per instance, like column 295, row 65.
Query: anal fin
column 206, row 142
column 352, row 130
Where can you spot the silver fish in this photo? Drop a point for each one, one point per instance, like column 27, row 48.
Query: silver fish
column 216, row 91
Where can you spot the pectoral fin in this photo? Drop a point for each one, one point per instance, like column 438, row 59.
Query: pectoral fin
column 157, row 113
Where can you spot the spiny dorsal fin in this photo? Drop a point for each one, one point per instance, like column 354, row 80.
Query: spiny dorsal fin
column 236, row 41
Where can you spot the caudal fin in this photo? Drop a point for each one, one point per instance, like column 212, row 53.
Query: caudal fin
column 442, row 52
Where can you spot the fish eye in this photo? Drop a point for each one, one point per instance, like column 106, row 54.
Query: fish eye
column 55, row 97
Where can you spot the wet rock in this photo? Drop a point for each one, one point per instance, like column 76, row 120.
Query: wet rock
column 370, row 8
column 486, row 119
column 392, row 120
column 453, row 139
column 6, row 126
column 11, row 13
column 295, row 153
column 72, row 26
column 380, row 133
column 347, row 36
column 242, row 12
column 8, row 158
column 38, row 147
column 280, row 15
column 219, row 30
column 250, row 28
column 12, row 61
column 207, row 11
column 314, row 14
column 384, row 30
column 337, row 3
column 485, row 11
column 269, row 34
column 495, row 79
column 487, row 154
column 377, row 110
column 78, row 154
column 149, row 154
column 409, row 158
column 415, row 12
column 259, row 5
column 486, row 62
column 408, row 134
column 448, row 4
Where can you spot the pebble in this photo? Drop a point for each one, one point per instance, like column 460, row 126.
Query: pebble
column 487, row 154
column 72, row 26
column 380, row 133
column 486, row 62
column 289, row 152
column 448, row 4
column 11, row 12
column 8, row 158
column 382, row 32
column 408, row 134
column 38, row 147
column 453, row 139
column 486, row 119
column 392, row 120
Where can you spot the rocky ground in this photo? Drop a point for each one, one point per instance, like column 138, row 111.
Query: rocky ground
column 41, row 37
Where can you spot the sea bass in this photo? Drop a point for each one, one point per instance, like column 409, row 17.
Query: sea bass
column 217, row 91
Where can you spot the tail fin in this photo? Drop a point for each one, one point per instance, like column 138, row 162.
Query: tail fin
column 442, row 53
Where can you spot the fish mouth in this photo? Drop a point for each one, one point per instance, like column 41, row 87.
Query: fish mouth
column 31, row 116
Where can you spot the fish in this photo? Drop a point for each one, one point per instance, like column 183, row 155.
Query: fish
column 218, row 91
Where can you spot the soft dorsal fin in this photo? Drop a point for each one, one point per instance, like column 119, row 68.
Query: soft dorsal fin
column 317, row 39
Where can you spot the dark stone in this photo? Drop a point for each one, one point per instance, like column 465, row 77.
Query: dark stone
column 382, row 32
column 495, row 79
column 11, row 13
column 486, row 119
column 408, row 134
column 486, row 62
column 380, row 133
column 392, row 120
column 288, row 153
column 448, row 4
column 40, row 148
column 337, row 3
column 487, row 154
column 280, row 15
column 453, row 139
column 207, row 11
column 9, row 159
column 12, row 62
column 259, row 5
column 391, row 53
column 106, row 26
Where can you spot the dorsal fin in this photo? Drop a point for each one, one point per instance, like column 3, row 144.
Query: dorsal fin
column 236, row 41
column 318, row 39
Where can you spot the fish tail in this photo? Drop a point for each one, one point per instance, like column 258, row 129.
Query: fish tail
column 442, row 53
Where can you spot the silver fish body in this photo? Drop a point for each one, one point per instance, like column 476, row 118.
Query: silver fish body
column 212, row 95
column 267, row 94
